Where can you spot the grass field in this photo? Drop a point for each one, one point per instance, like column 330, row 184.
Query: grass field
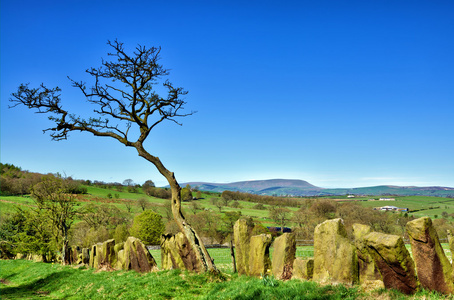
column 21, row 279
column 421, row 205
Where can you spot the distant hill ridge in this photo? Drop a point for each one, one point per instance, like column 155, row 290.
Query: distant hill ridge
column 296, row 187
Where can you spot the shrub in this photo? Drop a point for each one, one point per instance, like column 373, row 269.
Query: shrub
column 148, row 227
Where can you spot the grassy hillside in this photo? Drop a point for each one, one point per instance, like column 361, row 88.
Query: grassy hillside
column 418, row 205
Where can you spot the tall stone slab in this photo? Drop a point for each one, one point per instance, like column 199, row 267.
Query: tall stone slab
column 107, row 254
column 95, row 255
column 85, row 256
column 283, row 256
column 393, row 260
column 451, row 244
column 433, row 268
column 176, row 253
column 136, row 256
column 335, row 257
column 303, row 269
column 367, row 269
column 242, row 239
column 259, row 255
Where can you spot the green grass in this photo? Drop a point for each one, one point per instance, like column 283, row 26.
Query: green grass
column 21, row 279
column 27, row 280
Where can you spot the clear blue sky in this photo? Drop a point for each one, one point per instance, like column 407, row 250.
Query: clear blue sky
column 338, row 93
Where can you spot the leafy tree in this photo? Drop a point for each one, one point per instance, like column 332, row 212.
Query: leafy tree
column 186, row 194
column 128, row 182
column 124, row 96
column 218, row 203
column 51, row 197
column 195, row 206
column 142, row 202
column 128, row 205
column 148, row 187
column 96, row 215
column 148, row 227
column 121, row 233
column 280, row 215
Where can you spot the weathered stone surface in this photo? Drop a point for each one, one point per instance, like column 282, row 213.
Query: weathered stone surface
column 74, row 253
column 451, row 243
column 107, row 255
column 393, row 260
column 136, row 256
column 21, row 256
column 367, row 269
column 242, row 249
column 433, row 268
column 94, row 255
column 303, row 268
column 283, row 256
column 335, row 257
column 85, row 256
column 259, row 255
column 177, row 254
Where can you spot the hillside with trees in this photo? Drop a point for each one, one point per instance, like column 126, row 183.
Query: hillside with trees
column 97, row 211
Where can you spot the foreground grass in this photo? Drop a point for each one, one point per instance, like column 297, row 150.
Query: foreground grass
column 27, row 280
column 21, row 279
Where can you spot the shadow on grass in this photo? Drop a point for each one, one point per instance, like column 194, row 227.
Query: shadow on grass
column 39, row 287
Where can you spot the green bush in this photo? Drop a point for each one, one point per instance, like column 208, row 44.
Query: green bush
column 148, row 226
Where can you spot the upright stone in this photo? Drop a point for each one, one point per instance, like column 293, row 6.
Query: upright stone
column 242, row 249
column 136, row 256
column 303, row 268
column 283, row 256
column 94, row 255
column 85, row 256
column 451, row 244
column 176, row 253
column 259, row 255
column 433, row 268
column 367, row 269
column 393, row 260
column 335, row 257
column 107, row 255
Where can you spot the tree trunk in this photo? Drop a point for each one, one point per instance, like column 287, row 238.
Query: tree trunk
column 204, row 260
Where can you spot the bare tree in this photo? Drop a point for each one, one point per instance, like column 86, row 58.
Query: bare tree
column 124, row 96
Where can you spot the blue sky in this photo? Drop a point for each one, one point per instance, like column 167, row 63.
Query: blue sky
column 338, row 93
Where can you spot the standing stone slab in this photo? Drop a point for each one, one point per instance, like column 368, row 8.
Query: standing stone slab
column 242, row 249
column 136, row 256
column 170, row 256
column 177, row 254
column 335, row 257
column 451, row 243
column 85, row 256
column 107, row 255
column 303, row 268
column 393, row 260
column 259, row 255
column 94, row 255
column 367, row 269
column 283, row 256
column 433, row 268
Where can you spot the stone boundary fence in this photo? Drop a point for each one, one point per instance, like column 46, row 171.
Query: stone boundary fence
column 372, row 259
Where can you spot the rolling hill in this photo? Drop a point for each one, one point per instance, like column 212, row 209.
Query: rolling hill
column 294, row 187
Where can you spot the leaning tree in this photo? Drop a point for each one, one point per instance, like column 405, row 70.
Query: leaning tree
column 125, row 98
